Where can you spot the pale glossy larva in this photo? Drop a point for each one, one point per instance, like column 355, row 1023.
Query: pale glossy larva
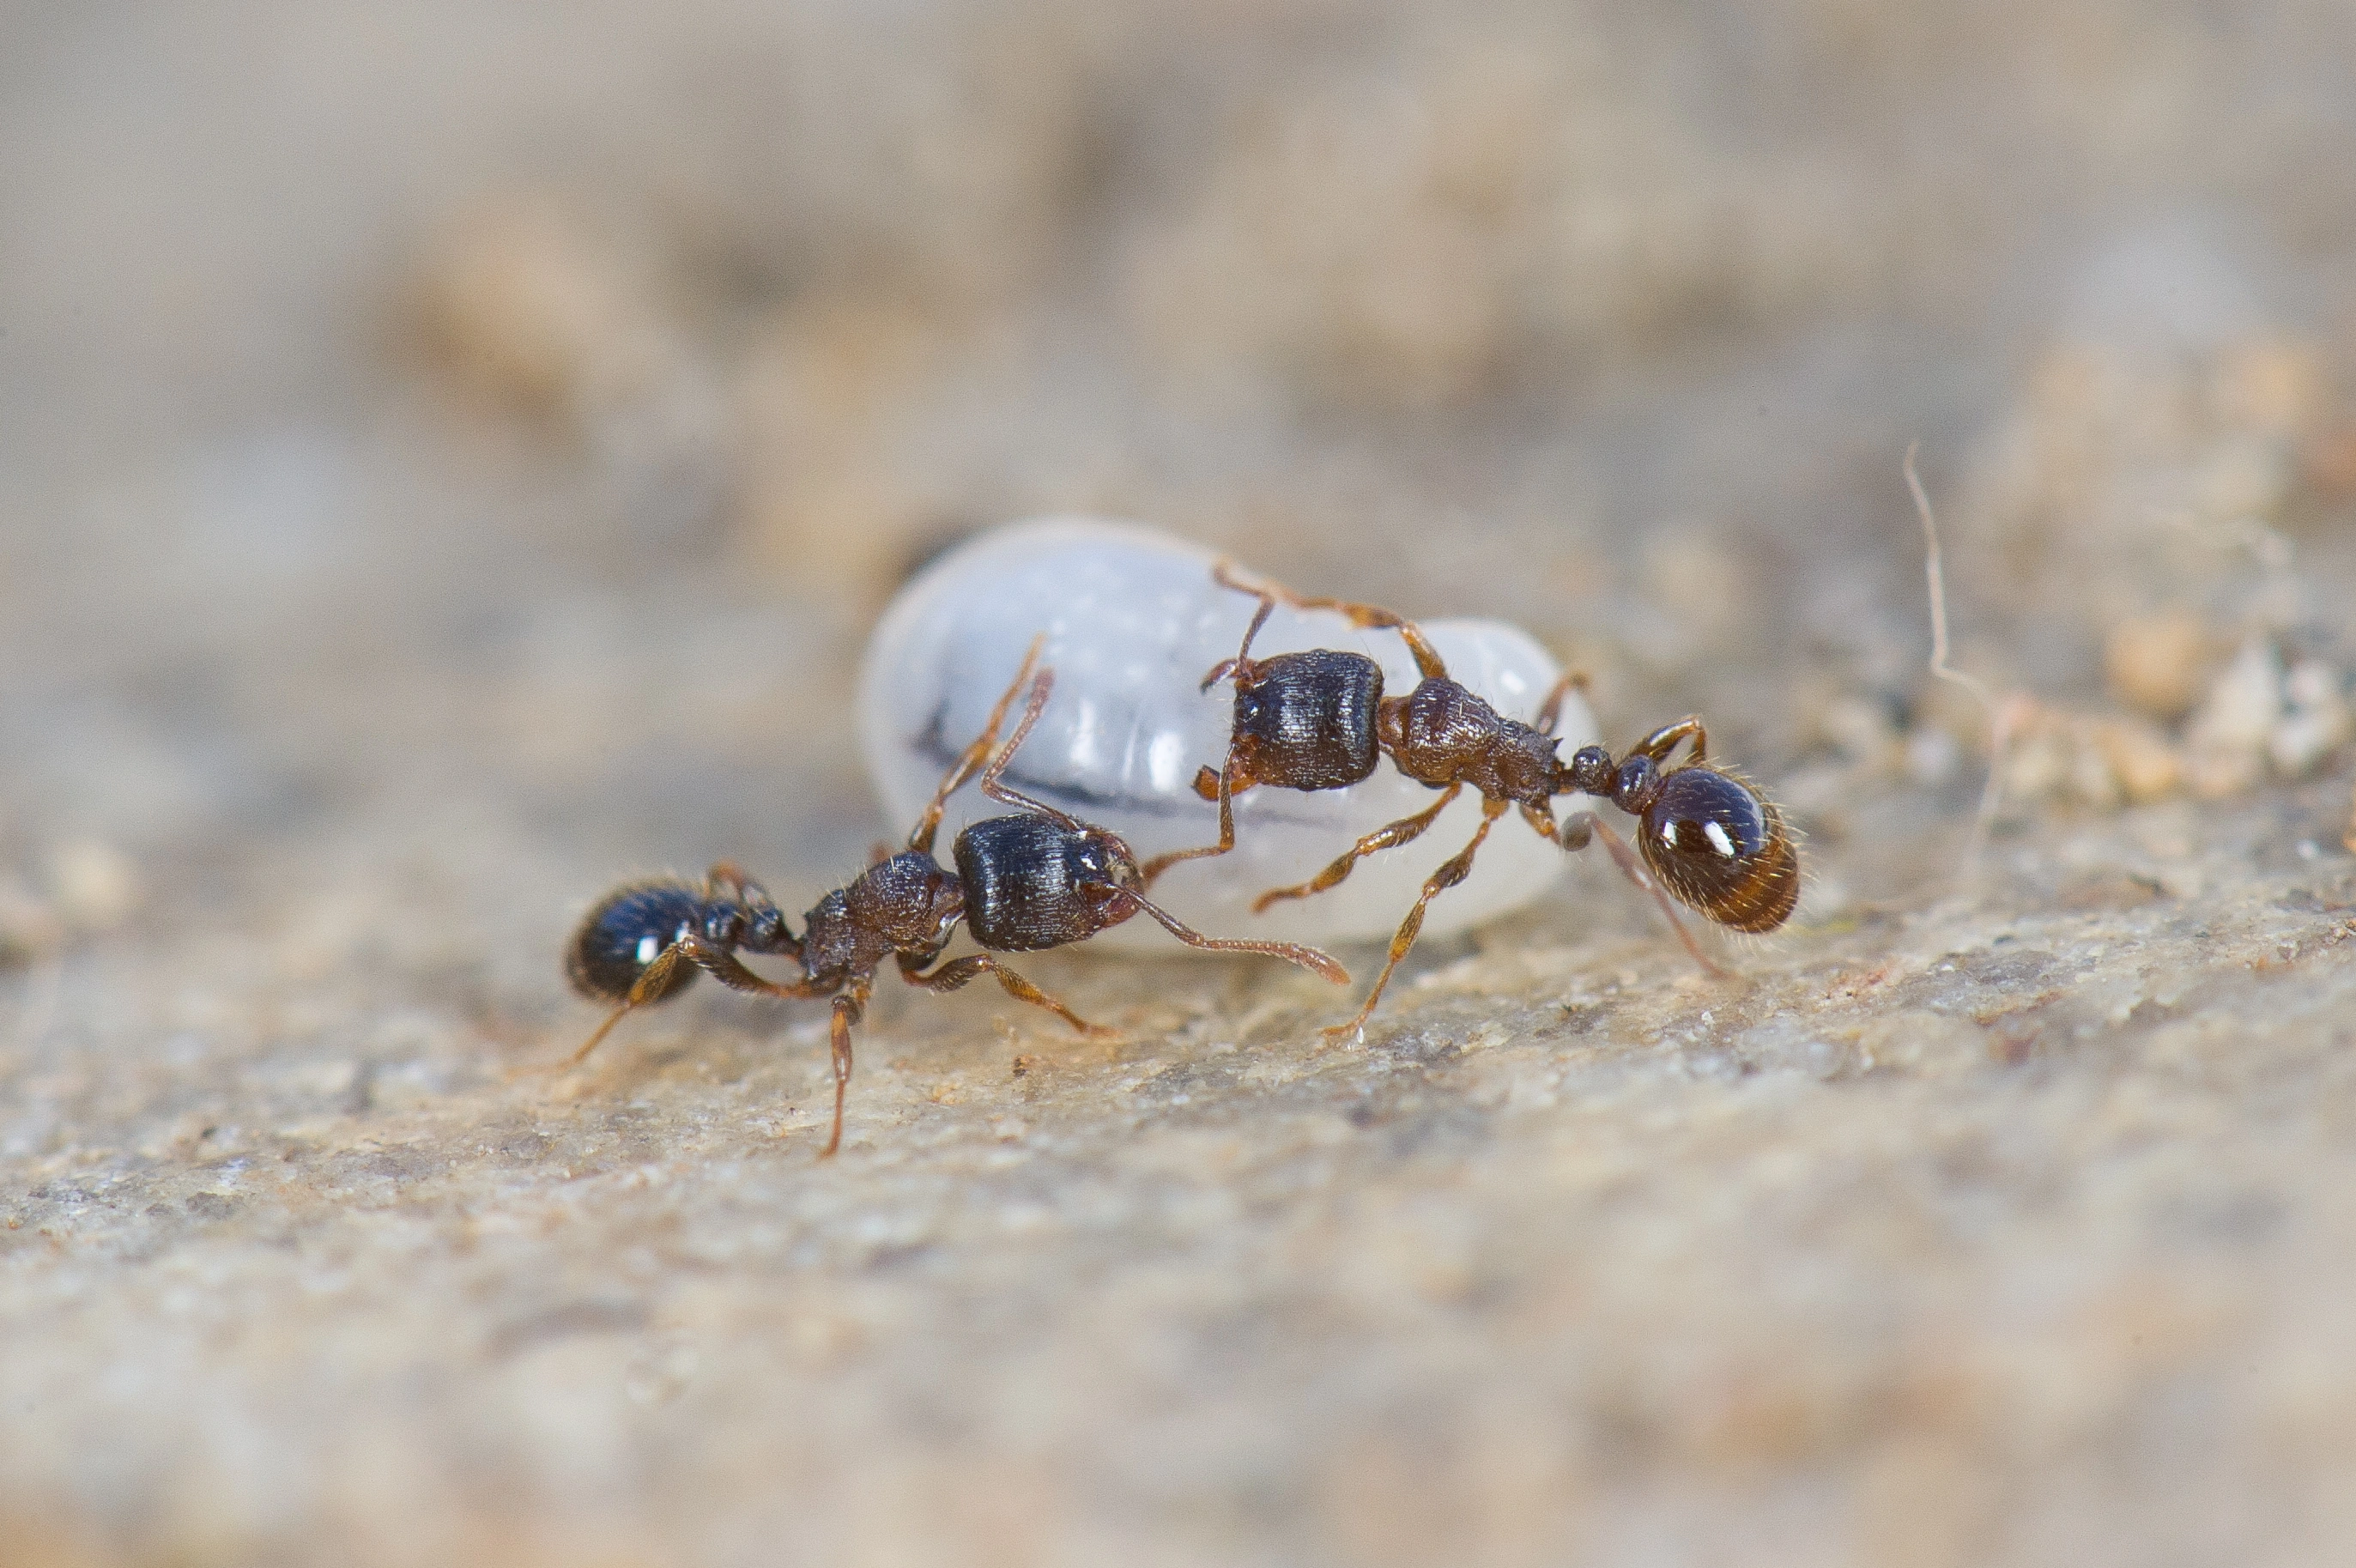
column 1132, row 622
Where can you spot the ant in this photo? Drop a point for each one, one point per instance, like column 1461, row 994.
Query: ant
column 1035, row 880
column 1319, row 721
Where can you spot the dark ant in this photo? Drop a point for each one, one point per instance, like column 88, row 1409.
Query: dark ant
column 1319, row 721
column 1038, row 879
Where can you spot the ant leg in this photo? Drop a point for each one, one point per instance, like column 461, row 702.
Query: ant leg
column 727, row 876
column 1308, row 958
column 1575, row 834
column 725, row 968
column 1224, row 791
column 717, row 962
column 1663, row 740
column 957, row 973
column 1551, row 712
column 1406, row 830
column 1452, row 871
column 1241, row 663
column 1041, row 686
column 1363, row 617
column 847, row 1011
column 652, row 983
column 921, row 838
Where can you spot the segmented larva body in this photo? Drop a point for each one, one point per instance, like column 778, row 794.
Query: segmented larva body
column 1133, row 620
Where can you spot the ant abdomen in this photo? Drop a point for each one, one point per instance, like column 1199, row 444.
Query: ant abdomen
column 1721, row 848
column 628, row 931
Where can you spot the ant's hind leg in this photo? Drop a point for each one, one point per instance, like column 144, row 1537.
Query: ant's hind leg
column 1368, row 617
column 727, row 877
column 730, row 971
column 1406, row 830
column 1663, row 740
column 921, row 837
column 1452, row 871
column 955, row 975
column 1550, row 712
column 1575, row 834
column 653, row 984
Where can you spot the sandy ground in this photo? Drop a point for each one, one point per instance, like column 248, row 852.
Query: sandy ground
column 449, row 459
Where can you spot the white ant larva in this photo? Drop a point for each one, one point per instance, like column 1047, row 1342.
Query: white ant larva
column 1133, row 618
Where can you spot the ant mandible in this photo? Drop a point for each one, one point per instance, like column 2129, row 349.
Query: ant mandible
column 1035, row 880
column 1319, row 721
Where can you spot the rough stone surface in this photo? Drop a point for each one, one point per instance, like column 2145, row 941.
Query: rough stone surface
column 449, row 459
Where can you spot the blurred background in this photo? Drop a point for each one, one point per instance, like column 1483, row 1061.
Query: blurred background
column 463, row 434
column 451, row 454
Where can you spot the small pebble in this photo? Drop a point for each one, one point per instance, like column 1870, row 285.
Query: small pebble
column 2092, row 778
column 2226, row 741
column 2319, row 722
column 2154, row 663
column 1861, row 728
column 2147, row 767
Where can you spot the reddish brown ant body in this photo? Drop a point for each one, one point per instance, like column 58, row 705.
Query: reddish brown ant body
column 1035, row 880
column 1318, row 720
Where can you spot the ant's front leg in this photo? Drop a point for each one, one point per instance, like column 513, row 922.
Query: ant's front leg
column 1240, row 665
column 1406, row 830
column 1223, row 786
column 993, row 783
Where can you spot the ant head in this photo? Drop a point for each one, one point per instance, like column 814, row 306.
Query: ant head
column 627, row 931
column 1106, row 857
column 1714, row 842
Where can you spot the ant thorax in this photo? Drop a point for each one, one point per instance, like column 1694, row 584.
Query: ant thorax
column 1441, row 733
column 906, row 903
column 1134, row 620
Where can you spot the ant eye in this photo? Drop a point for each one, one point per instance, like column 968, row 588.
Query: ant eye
column 1135, row 618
